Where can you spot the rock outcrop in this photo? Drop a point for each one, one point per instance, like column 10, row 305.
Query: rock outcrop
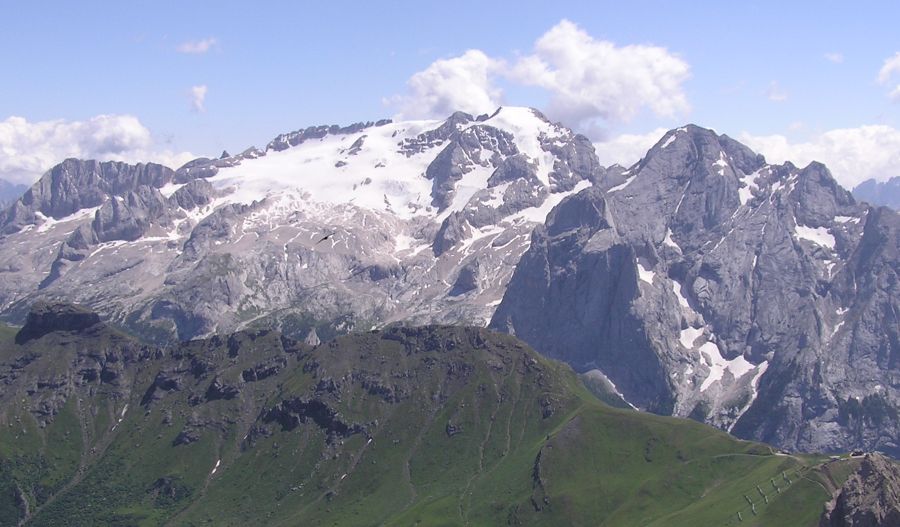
column 869, row 498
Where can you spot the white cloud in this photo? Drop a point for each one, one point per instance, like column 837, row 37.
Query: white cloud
column 895, row 94
column 587, row 80
column 28, row 149
column 591, row 79
column 197, row 47
column 447, row 85
column 837, row 58
column 891, row 66
column 627, row 149
column 198, row 98
column 775, row 92
column 852, row 154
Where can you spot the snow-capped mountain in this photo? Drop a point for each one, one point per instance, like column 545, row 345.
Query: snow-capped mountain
column 331, row 227
column 699, row 282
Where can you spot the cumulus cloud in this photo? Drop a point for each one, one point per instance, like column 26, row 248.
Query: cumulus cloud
column 837, row 58
column 890, row 67
column 852, row 154
column 28, row 149
column 198, row 98
column 775, row 92
column 627, row 149
column 587, row 80
column 447, row 85
column 197, row 47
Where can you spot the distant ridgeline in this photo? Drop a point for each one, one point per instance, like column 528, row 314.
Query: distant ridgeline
column 407, row 425
column 885, row 193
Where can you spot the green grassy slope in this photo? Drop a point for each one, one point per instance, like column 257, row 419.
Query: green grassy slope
column 410, row 426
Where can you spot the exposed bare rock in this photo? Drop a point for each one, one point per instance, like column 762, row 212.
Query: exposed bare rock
column 869, row 498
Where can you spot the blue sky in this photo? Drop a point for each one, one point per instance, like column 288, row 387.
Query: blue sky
column 755, row 70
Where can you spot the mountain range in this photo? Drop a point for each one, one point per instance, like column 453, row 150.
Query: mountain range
column 701, row 282
column 885, row 193
column 10, row 192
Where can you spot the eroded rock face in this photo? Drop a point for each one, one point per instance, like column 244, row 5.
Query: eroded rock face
column 51, row 365
column 707, row 283
column 291, row 413
column 74, row 185
column 47, row 317
column 869, row 498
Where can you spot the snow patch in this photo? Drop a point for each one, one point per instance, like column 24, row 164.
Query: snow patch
column 170, row 188
column 688, row 336
column 721, row 164
column 670, row 140
column 215, row 468
column 836, row 329
column 748, row 184
column 680, row 295
column 718, row 365
column 622, row 185
column 539, row 214
column 754, row 387
column 644, row 274
column 466, row 188
column 817, row 235
column 496, row 197
column 403, row 242
column 48, row 223
column 669, row 241
column 777, row 186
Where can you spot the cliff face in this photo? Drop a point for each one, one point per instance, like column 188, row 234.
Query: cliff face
column 869, row 498
column 708, row 284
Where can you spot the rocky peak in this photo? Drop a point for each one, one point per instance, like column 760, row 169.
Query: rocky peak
column 585, row 210
column 285, row 141
column 688, row 182
column 47, row 317
column 703, row 147
column 818, row 197
column 74, row 185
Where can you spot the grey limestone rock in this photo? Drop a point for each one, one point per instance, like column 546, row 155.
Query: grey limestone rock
column 869, row 498
column 707, row 283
